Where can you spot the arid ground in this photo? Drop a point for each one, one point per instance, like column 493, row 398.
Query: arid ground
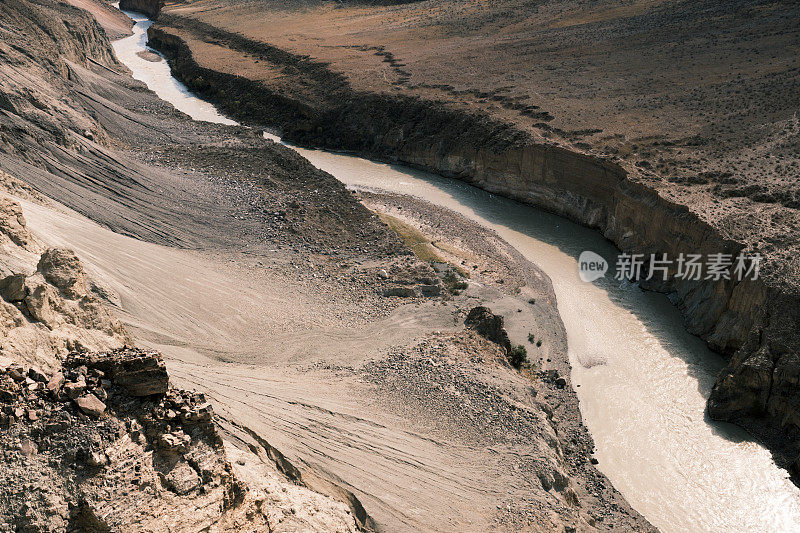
column 701, row 97
column 351, row 344
column 344, row 381
column 669, row 126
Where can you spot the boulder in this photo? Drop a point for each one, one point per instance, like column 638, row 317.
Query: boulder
column 12, row 223
column 41, row 302
column 28, row 447
column 182, row 479
column 55, row 383
column 17, row 373
column 62, row 268
column 73, row 390
column 90, row 405
column 37, row 375
column 173, row 443
column 97, row 459
column 12, row 288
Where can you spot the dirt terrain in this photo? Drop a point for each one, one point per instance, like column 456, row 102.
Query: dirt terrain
column 348, row 391
column 670, row 126
column 335, row 393
column 700, row 97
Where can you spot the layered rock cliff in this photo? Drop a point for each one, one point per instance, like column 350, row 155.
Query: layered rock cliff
column 753, row 321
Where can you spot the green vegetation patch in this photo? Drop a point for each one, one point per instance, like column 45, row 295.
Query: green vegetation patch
column 413, row 239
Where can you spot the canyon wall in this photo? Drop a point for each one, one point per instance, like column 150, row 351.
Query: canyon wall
column 151, row 8
column 753, row 322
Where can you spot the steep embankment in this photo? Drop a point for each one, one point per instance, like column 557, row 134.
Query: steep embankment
column 151, row 8
column 753, row 321
column 102, row 440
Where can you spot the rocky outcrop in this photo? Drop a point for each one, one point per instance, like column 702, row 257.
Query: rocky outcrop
column 489, row 326
column 754, row 322
column 758, row 388
column 96, row 459
column 47, row 313
column 62, row 269
column 151, row 8
column 139, row 372
column 98, row 454
column 19, row 250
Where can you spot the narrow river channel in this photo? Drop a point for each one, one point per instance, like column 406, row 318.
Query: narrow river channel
column 643, row 379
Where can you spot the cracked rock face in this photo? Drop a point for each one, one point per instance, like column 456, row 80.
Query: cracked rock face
column 758, row 388
column 90, row 405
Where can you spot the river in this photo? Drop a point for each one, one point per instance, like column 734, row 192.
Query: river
column 643, row 380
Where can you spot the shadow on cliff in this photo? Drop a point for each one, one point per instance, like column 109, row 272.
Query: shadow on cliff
column 653, row 310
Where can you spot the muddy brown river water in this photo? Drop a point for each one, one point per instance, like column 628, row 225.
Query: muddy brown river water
column 642, row 380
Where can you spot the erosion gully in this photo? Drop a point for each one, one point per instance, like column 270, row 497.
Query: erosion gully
column 642, row 380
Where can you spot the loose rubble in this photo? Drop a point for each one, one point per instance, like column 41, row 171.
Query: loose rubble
column 105, row 445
